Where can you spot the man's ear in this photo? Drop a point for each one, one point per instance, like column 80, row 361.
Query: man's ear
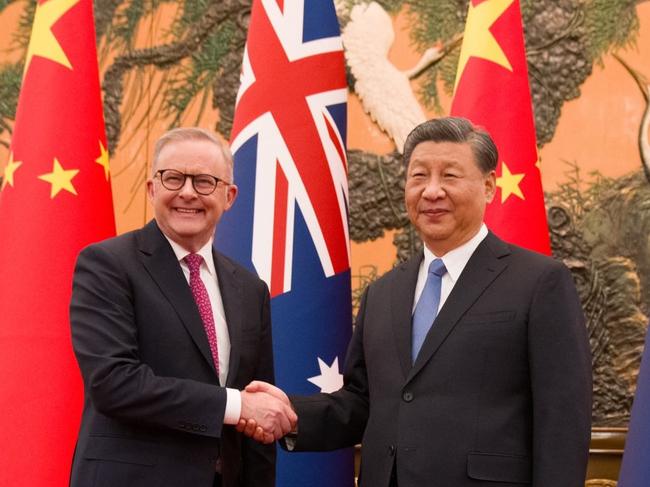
column 231, row 195
column 150, row 190
column 490, row 186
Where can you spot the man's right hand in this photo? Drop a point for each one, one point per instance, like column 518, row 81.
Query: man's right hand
column 266, row 413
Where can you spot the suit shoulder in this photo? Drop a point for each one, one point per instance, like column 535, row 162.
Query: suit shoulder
column 407, row 267
column 242, row 272
column 535, row 262
column 532, row 256
column 119, row 245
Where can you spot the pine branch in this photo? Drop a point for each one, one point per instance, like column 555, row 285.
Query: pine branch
column 162, row 56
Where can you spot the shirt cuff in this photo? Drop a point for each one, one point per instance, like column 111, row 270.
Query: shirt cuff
column 233, row 406
column 290, row 441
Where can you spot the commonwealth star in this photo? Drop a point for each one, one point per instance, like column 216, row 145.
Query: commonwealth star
column 330, row 379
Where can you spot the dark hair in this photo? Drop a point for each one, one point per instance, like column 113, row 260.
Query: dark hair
column 458, row 130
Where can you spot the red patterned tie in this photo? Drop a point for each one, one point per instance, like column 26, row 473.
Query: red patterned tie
column 202, row 299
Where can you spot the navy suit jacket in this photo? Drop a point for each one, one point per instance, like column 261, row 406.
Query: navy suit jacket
column 153, row 407
column 500, row 393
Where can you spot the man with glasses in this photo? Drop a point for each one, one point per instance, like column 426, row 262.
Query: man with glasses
column 167, row 332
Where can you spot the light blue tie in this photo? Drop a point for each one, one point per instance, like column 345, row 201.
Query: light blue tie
column 427, row 307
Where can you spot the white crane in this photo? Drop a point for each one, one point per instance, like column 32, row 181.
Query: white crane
column 644, row 129
column 385, row 92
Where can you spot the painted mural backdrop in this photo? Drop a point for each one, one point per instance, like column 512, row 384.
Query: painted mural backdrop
column 167, row 63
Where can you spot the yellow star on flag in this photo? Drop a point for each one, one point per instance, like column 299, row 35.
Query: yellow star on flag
column 10, row 169
column 479, row 41
column 103, row 159
column 60, row 179
column 509, row 183
column 43, row 42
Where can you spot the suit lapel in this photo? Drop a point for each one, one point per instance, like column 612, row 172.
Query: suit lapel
column 483, row 267
column 231, row 291
column 402, row 292
column 161, row 263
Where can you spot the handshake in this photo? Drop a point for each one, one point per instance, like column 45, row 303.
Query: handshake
column 266, row 413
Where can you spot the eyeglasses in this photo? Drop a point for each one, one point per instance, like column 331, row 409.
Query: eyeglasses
column 203, row 184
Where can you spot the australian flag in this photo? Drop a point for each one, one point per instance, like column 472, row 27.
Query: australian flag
column 635, row 469
column 289, row 223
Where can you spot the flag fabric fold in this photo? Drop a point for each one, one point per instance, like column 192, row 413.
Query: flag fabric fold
column 492, row 90
column 55, row 199
column 289, row 223
column 635, row 467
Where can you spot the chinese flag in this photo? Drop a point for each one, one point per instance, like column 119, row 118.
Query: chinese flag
column 55, row 199
column 492, row 91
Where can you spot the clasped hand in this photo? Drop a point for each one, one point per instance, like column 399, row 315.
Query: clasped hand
column 266, row 413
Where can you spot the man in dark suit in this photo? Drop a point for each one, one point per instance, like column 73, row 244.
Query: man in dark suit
column 469, row 364
column 167, row 331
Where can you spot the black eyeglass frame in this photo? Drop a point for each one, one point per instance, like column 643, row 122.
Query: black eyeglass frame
column 161, row 172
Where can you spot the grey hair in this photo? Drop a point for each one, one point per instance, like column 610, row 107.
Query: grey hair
column 458, row 130
column 190, row 133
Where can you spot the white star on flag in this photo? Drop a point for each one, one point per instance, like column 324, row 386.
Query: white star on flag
column 329, row 380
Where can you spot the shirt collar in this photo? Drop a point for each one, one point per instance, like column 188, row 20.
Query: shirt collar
column 456, row 259
column 205, row 252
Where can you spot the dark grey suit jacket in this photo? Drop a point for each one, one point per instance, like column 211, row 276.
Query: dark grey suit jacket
column 500, row 393
column 153, row 411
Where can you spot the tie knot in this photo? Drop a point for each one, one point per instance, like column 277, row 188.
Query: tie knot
column 437, row 267
column 193, row 262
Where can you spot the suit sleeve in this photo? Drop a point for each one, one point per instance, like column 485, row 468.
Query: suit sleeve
column 258, row 460
column 337, row 420
column 105, row 341
column 561, row 381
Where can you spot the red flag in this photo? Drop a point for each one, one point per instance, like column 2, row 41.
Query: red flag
column 55, row 199
column 492, row 91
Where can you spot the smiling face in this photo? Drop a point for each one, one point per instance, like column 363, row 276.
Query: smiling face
column 185, row 216
column 446, row 194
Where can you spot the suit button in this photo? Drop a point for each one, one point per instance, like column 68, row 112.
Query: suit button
column 407, row 396
column 203, row 428
column 391, row 450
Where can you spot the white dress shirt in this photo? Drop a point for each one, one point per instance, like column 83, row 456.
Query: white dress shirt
column 211, row 282
column 455, row 261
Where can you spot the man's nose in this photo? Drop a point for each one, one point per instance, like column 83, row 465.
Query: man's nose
column 434, row 189
column 187, row 190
